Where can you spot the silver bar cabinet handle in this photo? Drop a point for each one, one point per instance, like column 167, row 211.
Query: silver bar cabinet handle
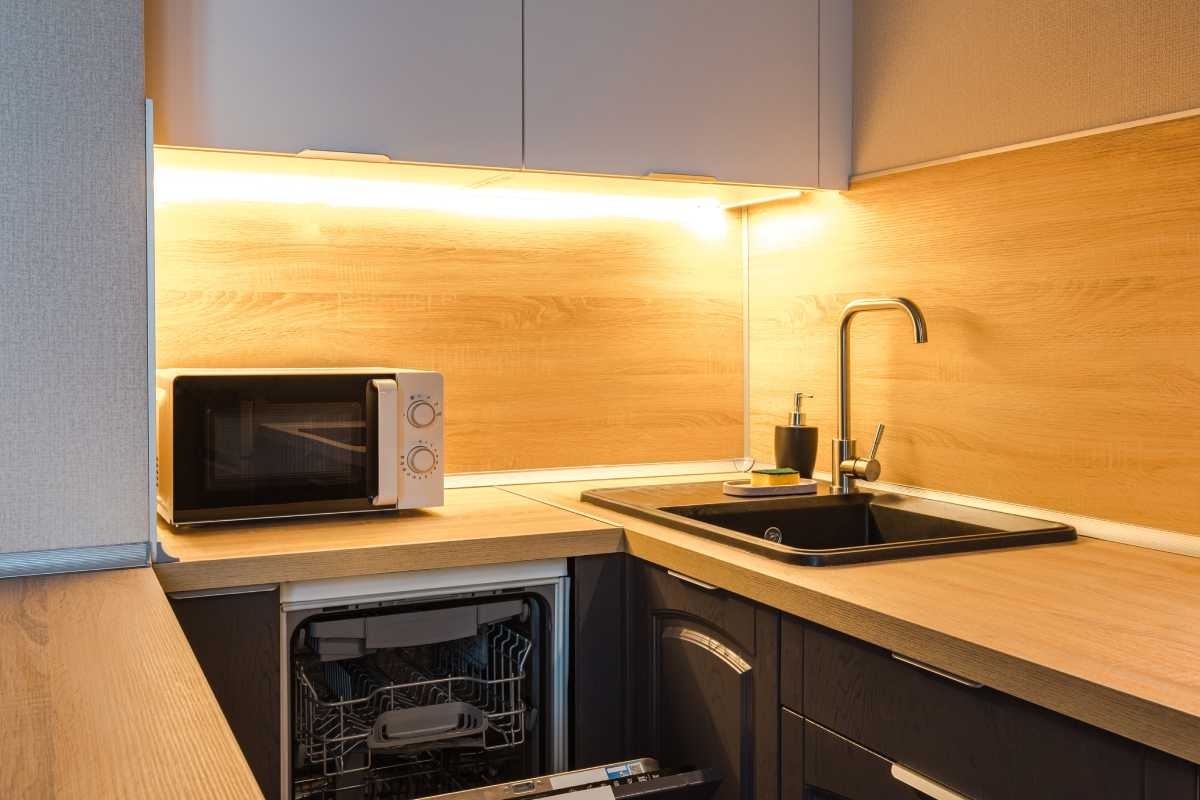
column 708, row 587
column 922, row 784
column 680, row 176
column 941, row 673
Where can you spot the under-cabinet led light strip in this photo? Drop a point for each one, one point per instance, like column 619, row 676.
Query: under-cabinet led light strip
column 704, row 217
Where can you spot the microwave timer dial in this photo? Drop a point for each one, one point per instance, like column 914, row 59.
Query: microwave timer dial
column 421, row 460
column 421, row 413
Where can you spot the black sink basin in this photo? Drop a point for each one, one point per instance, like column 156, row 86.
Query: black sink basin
column 823, row 529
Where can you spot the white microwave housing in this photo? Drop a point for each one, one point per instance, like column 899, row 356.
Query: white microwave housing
column 408, row 422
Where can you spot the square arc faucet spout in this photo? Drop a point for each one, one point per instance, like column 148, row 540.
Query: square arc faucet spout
column 847, row 466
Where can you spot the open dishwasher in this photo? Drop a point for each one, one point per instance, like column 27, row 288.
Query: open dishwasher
column 440, row 682
column 416, row 684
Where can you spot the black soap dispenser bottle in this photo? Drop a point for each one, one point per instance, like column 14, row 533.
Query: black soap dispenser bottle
column 796, row 443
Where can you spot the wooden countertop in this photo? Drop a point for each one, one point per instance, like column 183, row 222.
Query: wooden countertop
column 475, row 526
column 102, row 697
column 1102, row 632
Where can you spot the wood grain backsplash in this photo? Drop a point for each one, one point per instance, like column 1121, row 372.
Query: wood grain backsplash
column 564, row 342
column 1062, row 289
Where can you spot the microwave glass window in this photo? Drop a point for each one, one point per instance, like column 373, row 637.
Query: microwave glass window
column 316, row 444
column 277, row 440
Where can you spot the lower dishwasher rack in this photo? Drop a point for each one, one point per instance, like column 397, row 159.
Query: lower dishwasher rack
column 338, row 705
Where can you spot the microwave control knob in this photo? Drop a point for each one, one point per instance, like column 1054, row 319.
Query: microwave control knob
column 421, row 459
column 421, row 414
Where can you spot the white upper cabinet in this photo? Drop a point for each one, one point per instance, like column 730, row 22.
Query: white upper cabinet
column 753, row 92
column 746, row 92
column 436, row 81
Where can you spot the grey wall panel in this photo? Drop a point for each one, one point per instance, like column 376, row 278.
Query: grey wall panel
column 73, row 382
column 940, row 78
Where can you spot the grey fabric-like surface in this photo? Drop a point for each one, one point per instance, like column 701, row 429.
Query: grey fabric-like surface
column 940, row 78
column 73, row 397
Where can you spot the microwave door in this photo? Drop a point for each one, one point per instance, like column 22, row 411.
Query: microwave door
column 251, row 445
column 382, row 410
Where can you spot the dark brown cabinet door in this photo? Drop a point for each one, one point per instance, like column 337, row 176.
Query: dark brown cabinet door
column 236, row 640
column 705, row 681
column 1170, row 778
column 980, row 743
column 599, row 681
column 818, row 764
column 791, row 663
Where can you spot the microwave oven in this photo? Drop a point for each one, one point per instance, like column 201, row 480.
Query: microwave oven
column 236, row 444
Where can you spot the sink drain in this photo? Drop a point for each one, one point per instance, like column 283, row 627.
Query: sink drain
column 773, row 534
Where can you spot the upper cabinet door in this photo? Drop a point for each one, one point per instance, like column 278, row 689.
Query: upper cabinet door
column 702, row 87
column 415, row 80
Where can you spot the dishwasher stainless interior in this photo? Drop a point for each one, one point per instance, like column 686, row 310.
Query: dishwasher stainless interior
column 414, row 684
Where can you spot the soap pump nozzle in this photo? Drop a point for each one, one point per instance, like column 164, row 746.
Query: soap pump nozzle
column 797, row 412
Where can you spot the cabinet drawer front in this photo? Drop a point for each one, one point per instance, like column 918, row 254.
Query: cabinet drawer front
column 833, row 766
column 976, row 741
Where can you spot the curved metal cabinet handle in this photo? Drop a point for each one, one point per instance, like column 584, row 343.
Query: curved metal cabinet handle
column 730, row 657
column 922, row 784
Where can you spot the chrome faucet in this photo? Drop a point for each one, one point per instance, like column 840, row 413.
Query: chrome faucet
column 847, row 466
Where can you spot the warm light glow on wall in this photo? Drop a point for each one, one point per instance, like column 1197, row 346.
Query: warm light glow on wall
column 176, row 184
column 802, row 226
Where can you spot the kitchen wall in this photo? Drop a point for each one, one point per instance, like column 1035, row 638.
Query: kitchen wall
column 1062, row 289
column 569, row 333
column 938, row 78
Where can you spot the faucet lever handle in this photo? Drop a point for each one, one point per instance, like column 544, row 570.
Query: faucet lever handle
column 875, row 444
